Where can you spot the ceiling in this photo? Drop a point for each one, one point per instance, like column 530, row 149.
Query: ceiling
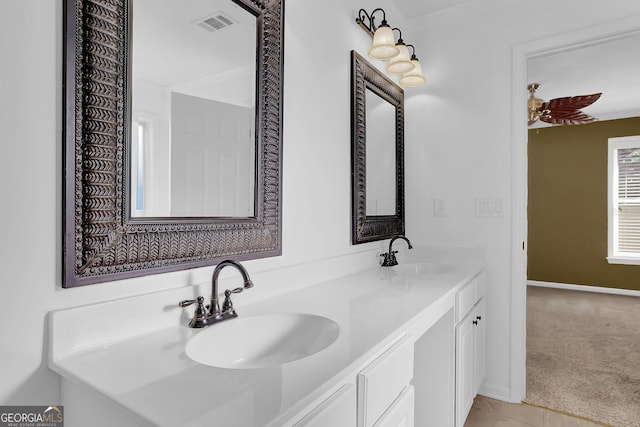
column 412, row 8
column 610, row 67
column 170, row 47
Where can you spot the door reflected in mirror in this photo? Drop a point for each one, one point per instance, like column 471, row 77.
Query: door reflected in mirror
column 193, row 142
column 380, row 155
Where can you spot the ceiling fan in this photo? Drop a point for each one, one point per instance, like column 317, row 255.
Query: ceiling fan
column 559, row 111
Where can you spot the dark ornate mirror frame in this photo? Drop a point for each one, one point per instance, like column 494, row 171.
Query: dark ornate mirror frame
column 101, row 241
column 365, row 76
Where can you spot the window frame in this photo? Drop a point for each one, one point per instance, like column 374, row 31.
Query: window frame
column 613, row 255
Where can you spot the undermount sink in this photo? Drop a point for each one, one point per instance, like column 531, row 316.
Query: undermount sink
column 262, row 341
column 420, row 268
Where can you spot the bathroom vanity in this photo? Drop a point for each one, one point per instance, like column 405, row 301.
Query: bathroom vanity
column 408, row 350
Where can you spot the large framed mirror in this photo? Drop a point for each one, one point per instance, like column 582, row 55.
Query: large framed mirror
column 377, row 151
column 173, row 135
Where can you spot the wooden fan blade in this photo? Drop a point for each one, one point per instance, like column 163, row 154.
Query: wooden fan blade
column 567, row 118
column 571, row 103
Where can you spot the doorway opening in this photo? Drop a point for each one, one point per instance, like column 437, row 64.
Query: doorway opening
column 522, row 54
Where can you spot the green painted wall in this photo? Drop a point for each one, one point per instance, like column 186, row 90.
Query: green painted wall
column 567, row 210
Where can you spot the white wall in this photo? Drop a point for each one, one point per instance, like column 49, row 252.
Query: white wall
column 458, row 132
column 316, row 170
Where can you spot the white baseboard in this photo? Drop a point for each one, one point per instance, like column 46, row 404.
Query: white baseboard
column 585, row 288
column 496, row 392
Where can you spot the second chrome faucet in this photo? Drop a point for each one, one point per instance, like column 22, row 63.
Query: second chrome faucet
column 205, row 316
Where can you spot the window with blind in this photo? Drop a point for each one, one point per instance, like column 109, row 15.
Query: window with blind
column 624, row 200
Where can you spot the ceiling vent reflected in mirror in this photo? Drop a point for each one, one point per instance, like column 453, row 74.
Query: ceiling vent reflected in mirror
column 215, row 22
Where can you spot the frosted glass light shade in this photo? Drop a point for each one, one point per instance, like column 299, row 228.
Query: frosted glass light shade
column 384, row 45
column 402, row 62
column 414, row 77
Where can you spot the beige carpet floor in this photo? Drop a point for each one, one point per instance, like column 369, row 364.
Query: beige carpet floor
column 583, row 354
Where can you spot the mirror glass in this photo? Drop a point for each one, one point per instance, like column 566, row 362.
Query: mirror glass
column 380, row 155
column 193, row 97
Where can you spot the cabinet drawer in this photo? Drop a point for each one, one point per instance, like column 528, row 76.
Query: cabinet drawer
column 465, row 300
column 380, row 383
column 339, row 409
column 400, row 414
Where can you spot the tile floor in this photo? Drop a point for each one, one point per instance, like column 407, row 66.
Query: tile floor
column 488, row 412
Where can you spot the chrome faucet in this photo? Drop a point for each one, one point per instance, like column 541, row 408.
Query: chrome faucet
column 205, row 316
column 390, row 257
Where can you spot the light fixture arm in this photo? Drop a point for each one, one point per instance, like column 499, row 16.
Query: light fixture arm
column 367, row 21
column 400, row 41
column 413, row 51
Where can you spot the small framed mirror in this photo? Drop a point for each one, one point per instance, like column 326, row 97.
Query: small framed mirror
column 173, row 135
column 377, row 151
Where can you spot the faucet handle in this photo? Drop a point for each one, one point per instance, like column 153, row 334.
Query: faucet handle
column 389, row 259
column 227, row 305
column 188, row 302
column 201, row 312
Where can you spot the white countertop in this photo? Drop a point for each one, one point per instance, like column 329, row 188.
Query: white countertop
column 150, row 378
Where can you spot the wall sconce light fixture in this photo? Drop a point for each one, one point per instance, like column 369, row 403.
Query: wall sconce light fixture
column 385, row 47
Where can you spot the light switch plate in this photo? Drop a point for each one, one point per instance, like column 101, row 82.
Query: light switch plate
column 489, row 207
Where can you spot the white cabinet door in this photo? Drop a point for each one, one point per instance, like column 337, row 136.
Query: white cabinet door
column 382, row 381
column 400, row 413
column 465, row 349
column 470, row 345
column 338, row 410
column 480, row 345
